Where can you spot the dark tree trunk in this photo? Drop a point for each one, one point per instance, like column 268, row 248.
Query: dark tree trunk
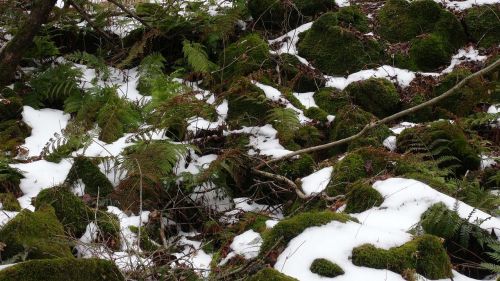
column 12, row 54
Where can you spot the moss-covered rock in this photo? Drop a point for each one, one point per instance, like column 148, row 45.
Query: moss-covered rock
column 248, row 54
column 10, row 108
column 34, row 235
column 425, row 254
column 297, row 168
column 375, row 95
column 95, row 182
column 361, row 197
column 62, row 269
column 12, row 134
column 429, row 52
column 270, row 274
column 450, row 28
column 442, row 139
column 277, row 237
column 316, row 113
column 272, row 14
column 483, row 26
column 331, row 100
column 340, row 53
column 307, row 136
column 298, row 76
column 9, row 202
column 10, row 178
column 325, row 268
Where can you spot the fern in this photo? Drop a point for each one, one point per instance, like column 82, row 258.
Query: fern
column 285, row 121
column 197, row 57
column 97, row 63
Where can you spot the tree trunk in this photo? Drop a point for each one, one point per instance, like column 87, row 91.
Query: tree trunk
column 13, row 52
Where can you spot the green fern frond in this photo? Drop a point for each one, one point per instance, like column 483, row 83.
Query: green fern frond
column 97, row 63
column 197, row 57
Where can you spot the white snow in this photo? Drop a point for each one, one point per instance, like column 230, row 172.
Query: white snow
column 246, row 245
column 390, row 143
column 6, row 216
column 44, row 123
column 401, row 127
column 197, row 163
column 306, row 99
column 317, row 181
column 289, row 42
column 464, row 5
column 212, row 197
column 193, row 256
column 263, row 141
column 129, row 238
column 40, row 175
column 487, row 161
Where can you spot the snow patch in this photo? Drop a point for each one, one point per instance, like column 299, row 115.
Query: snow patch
column 317, row 181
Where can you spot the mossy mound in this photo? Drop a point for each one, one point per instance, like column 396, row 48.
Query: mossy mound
column 349, row 121
column 316, row 113
column 298, row 76
column 375, row 95
column 270, row 274
column 341, row 52
column 361, row 197
column 95, row 182
column 297, row 168
column 10, row 178
column 429, row 52
column 331, row 100
column 425, row 254
column 62, row 269
column 9, row 202
column 248, row 54
column 483, row 25
column 272, row 14
column 444, row 141
column 279, row 236
column 248, row 105
column 325, row 268
column 10, row 108
column 12, row 134
column 35, row 235
column 307, row 136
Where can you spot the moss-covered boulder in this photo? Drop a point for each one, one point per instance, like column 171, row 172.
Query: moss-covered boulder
column 62, row 269
column 483, row 26
column 10, row 108
column 341, row 52
column 425, row 254
column 9, row 202
column 361, row 197
column 298, row 76
column 34, row 235
column 331, row 100
column 279, row 236
column 248, row 54
column 12, row 135
column 444, row 141
column 95, row 182
column 316, row 114
column 325, row 268
column 375, row 95
column 297, row 168
column 429, row 52
column 270, row 274
column 272, row 14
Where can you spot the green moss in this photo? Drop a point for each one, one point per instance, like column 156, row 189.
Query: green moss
column 422, row 115
column 451, row 29
column 375, row 95
column 483, row 26
column 95, row 181
column 298, row 76
column 279, row 236
column 307, row 136
column 248, row 54
column 10, row 178
column 340, row 53
column 248, row 105
column 10, row 108
column 12, row 134
column 361, row 197
column 9, row 202
column 425, row 254
column 63, row 269
column 109, row 229
column 440, row 221
column 270, row 274
column 326, row 268
column 297, row 168
column 442, row 139
column 430, row 52
column 36, row 235
column 287, row 93
column 331, row 99
column 352, row 16
column 316, row 113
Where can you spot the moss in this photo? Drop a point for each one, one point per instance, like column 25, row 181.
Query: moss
column 270, row 274
column 95, row 181
column 297, row 168
column 248, row 105
column 36, row 235
column 10, row 108
column 298, row 76
column 352, row 16
column 440, row 221
column 10, row 178
column 340, row 53
column 451, row 29
column 109, row 229
column 287, row 229
column 12, row 134
column 331, row 99
column 361, row 197
column 430, row 52
column 375, row 95
column 316, row 113
column 422, row 115
column 63, row 269
column 326, row 268
column 248, row 54
column 425, row 254
column 9, row 202
column 287, row 93
column 483, row 26
column 442, row 139
column 307, row 136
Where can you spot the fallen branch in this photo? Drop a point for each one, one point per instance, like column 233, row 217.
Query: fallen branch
column 87, row 18
column 395, row 116
column 129, row 12
column 282, row 179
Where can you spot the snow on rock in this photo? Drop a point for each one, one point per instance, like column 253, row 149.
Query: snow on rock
column 129, row 238
column 212, row 197
column 390, row 143
column 39, row 175
column 487, row 161
column 6, row 216
column 406, row 199
column 271, row 223
column 401, row 76
column 317, row 181
column 197, row 163
column 464, row 5
column 44, row 124
column 246, row 245
column 263, row 141
column 306, row 99
column 289, row 42
column 98, row 148
column 193, row 256
column 398, row 129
